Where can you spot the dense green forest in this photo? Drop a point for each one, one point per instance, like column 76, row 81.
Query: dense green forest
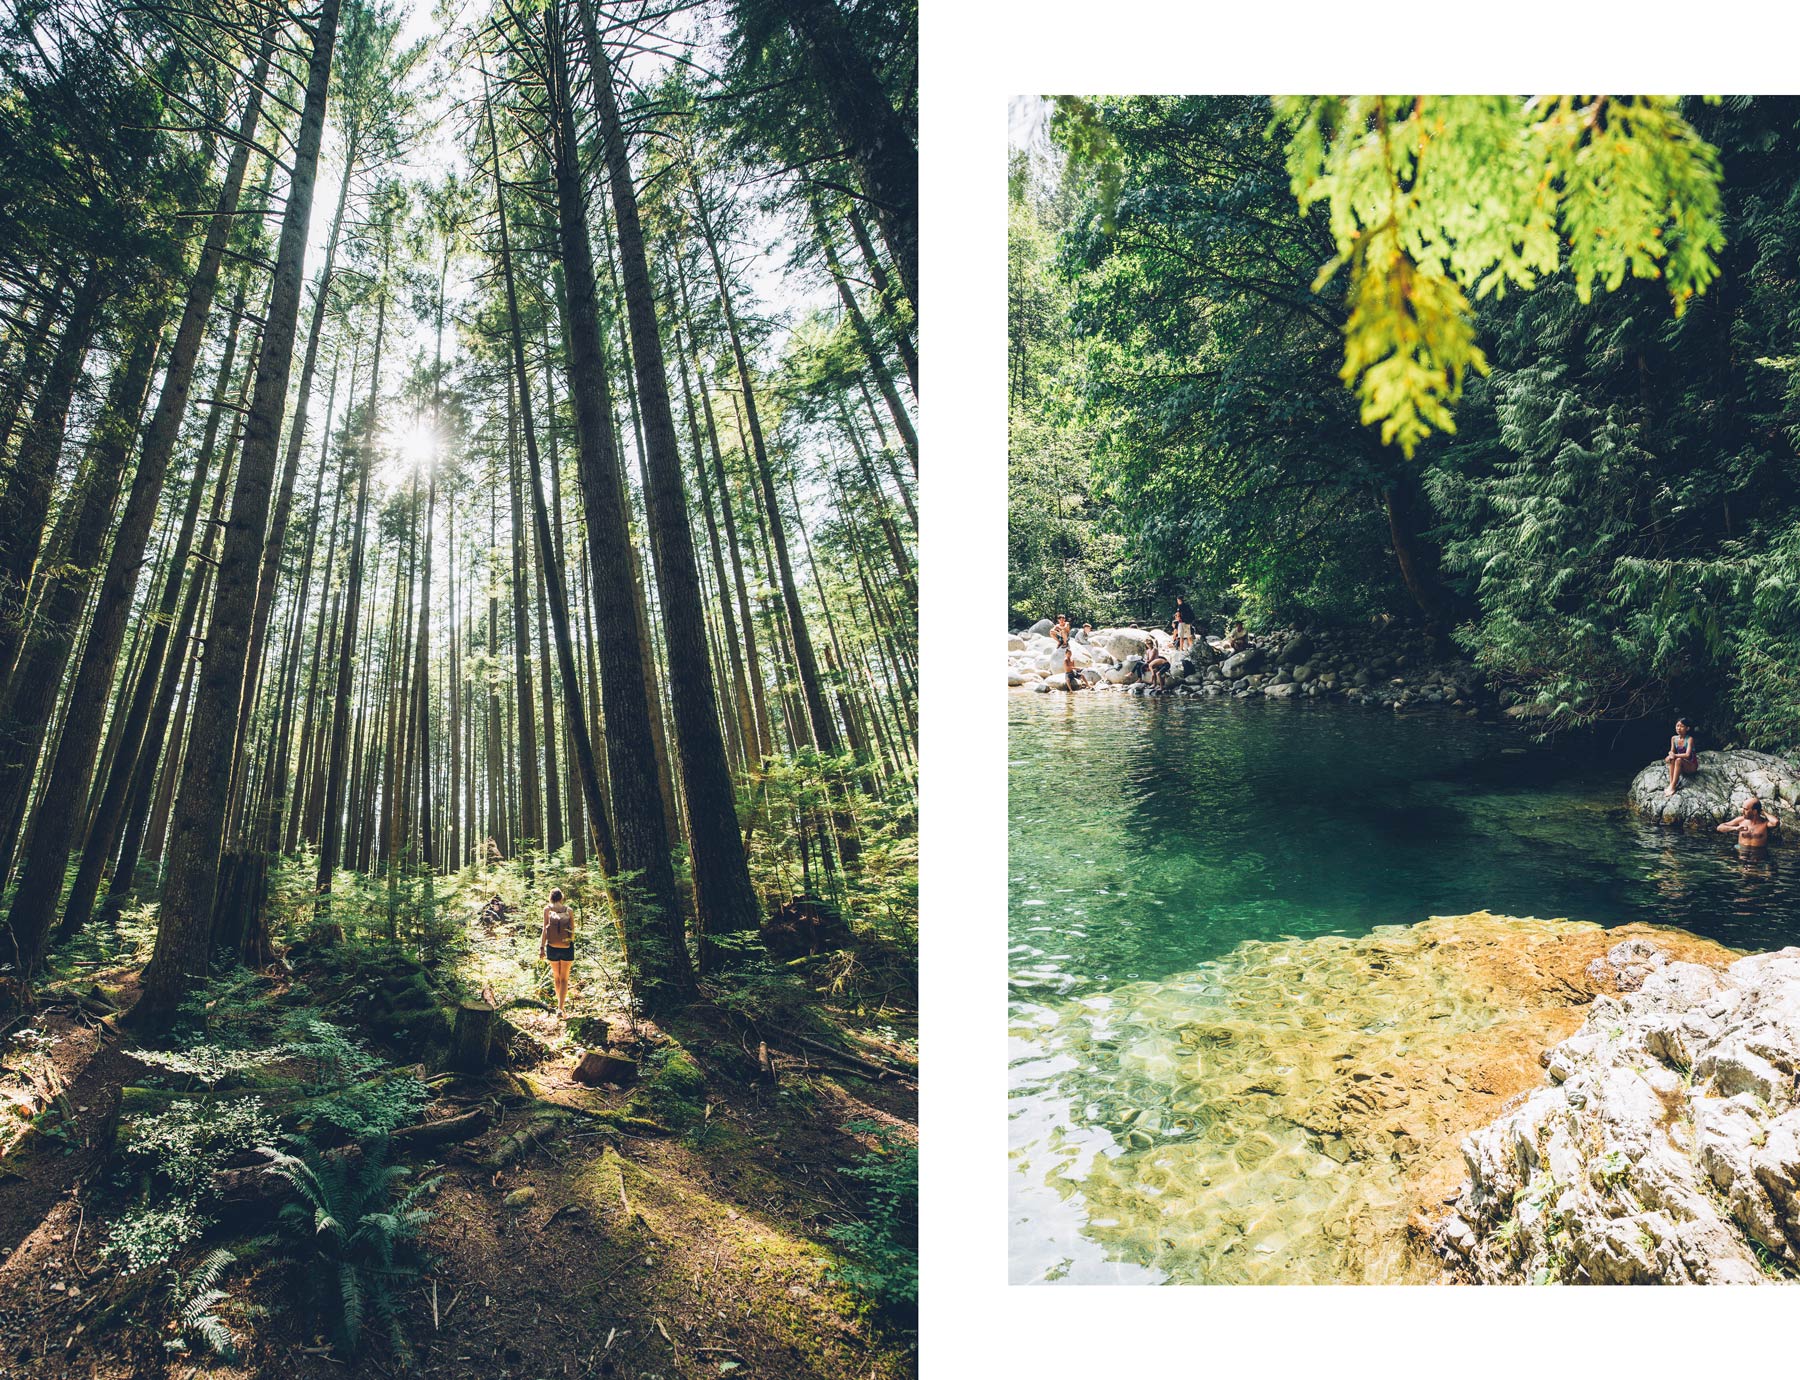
column 447, row 455
column 1597, row 495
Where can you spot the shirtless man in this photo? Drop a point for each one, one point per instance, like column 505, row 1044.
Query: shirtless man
column 1073, row 679
column 1753, row 826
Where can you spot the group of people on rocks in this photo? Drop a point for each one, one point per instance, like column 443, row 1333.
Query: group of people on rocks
column 1156, row 660
column 1752, row 825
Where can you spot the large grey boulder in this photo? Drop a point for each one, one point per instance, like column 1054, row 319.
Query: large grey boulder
column 1119, row 643
column 1718, row 789
column 1298, row 648
column 1665, row 1145
column 1043, row 626
column 1241, row 663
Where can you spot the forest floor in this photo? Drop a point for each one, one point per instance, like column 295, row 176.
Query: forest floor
column 680, row 1227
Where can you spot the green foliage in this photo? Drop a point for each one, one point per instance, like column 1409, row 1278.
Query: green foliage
column 1614, row 528
column 355, row 1234
column 300, row 1066
column 671, row 1089
column 884, row 1246
column 195, row 1300
column 1435, row 197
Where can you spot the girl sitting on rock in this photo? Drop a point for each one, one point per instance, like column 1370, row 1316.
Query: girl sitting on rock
column 1682, row 758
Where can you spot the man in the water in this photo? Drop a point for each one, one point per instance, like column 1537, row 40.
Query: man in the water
column 1753, row 827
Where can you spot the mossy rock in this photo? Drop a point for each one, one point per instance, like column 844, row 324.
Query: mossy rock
column 672, row 1090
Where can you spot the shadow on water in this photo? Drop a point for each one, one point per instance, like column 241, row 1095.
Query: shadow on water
column 1149, row 837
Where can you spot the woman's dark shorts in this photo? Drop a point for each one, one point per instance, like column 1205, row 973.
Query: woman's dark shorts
column 562, row 953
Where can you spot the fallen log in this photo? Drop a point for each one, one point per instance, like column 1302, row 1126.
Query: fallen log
column 251, row 1190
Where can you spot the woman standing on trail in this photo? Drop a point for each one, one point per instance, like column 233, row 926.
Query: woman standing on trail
column 558, row 944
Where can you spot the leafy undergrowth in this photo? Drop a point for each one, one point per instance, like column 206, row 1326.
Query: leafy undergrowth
column 704, row 1221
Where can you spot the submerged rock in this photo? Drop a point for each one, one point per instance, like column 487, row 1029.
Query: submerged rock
column 1294, row 1111
column 1664, row 1149
column 1717, row 789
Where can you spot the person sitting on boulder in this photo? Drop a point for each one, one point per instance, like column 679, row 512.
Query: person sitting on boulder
column 1753, row 827
column 1082, row 635
column 1156, row 664
column 1237, row 639
column 1683, row 760
column 1061, row 631
column 1071, row 672
column 1184, row 623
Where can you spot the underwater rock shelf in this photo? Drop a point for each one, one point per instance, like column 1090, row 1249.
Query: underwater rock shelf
column 1294, row 1112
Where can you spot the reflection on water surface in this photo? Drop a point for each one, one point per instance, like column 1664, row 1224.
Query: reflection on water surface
column 1150, row 839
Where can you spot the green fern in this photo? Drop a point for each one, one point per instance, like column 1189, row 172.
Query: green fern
column 195, row 1298
column 356, row 1234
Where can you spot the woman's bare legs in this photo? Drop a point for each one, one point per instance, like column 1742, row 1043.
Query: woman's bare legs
column 559, row 971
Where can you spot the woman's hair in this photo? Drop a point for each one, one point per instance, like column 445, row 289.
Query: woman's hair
column 555, row 894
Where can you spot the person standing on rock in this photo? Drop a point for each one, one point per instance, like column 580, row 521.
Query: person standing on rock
column 1753, row 827
column 1184, row 624
column 1683, row 759
column 558, row 945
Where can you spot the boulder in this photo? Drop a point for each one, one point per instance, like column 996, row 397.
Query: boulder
column 1297, row 649
column 1665, row 1145
column 1119, row 643
column 1241, row 663
column 1014, row 643
column 1042, row 627
column 1717, row 789
column 1281, row 690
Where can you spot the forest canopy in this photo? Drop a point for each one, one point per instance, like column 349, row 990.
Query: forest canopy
column 1611, row 527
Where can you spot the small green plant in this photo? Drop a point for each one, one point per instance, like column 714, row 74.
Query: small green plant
column 672, row 1090
column 356, row 1236
column 196, row 1298
column 884, row 1248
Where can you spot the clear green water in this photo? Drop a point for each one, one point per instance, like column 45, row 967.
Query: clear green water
column 1151, row 836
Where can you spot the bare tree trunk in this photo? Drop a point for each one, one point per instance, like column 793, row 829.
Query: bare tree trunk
column 724, row 899
column 184, row 932
column 660, row 972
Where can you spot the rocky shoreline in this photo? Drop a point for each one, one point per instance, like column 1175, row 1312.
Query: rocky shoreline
column 1394, row 668
column 1297, row 1111
column 1664, row 1146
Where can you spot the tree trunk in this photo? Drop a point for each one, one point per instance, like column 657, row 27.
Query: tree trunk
column 184, row 931
column 724, row 899
column 66, row 786
column 660, row 973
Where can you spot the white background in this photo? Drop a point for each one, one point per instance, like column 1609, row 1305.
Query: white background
column 975, row 57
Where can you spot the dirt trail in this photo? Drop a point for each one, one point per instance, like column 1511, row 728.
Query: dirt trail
column 699, row 1250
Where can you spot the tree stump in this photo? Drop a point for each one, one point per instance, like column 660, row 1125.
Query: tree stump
column 472, row 1036
column 596, row 1067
